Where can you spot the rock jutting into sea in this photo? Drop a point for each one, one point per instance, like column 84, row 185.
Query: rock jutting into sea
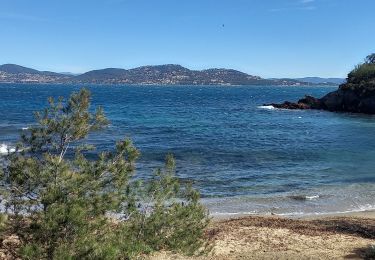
column 341, row 100
column 357, row 95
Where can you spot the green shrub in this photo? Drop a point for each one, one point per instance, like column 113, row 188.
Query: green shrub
column 75, row 208
column 362, row 73
column 370, row 59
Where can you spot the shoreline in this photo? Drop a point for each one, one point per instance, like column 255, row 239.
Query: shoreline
column 356, row 214
column 369, row 214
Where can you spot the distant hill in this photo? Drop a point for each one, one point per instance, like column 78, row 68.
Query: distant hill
column 318, row 80
column 99, row 76
column 172, row 74
column 169, row 74
column 12, row 73
column 17, row 69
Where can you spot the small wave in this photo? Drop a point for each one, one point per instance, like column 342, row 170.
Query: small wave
column 5, row 149
column 312, row 197
column 233, row 213
column 304, row 197
column 267, row 107
column 299, row 213
column 366, row 207
column 25, row 128
column 295, row 214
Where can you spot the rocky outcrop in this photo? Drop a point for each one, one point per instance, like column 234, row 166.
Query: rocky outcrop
column 357, row 95
column 355, row 98
column 308, row 102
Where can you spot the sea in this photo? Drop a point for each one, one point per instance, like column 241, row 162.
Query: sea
column 243, row 156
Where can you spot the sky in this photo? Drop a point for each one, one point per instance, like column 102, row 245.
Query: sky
column 268, row 38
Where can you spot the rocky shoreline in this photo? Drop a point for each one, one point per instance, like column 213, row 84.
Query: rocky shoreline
column 357, row 95
column 348, row 98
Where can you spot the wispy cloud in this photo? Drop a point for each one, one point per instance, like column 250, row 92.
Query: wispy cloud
column 22, row 17
column 308, row 8
column 277, row 9
column 306, row 5
column 307, row 1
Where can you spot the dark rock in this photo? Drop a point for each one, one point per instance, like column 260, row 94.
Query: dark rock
column 333, row 101
column 308, row 102
column 367, row 105
column 287, row 105
column 348, row 98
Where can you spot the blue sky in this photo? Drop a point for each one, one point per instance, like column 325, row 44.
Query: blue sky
column 270, row 38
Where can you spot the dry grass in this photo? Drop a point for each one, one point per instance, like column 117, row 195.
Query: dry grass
column 281, row 238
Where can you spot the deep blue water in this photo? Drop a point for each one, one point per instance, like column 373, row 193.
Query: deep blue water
column 244, row 158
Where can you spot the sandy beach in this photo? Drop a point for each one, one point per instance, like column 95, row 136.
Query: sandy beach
column 338, row 236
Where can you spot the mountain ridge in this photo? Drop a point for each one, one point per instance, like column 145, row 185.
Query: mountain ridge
column 13, row 73
column 167, row 74
column 17, row 69
column 319, row 80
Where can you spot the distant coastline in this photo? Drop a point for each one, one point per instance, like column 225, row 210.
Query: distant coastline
column 169, row 74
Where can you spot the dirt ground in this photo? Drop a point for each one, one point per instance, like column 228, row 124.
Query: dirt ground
column 281, row 238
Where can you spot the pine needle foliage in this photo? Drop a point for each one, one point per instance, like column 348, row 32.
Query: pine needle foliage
column 62, row 205
column 364, row 72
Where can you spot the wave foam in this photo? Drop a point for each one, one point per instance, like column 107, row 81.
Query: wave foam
column 5, row 149
column 267, row 107
column 312, row 197
column 233, row 213
column 304, row 197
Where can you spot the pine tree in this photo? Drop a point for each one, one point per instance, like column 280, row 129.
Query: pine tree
column 62, row 205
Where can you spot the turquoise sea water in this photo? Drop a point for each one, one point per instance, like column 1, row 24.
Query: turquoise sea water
column 243, row 157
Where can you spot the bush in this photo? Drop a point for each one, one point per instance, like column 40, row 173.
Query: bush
column 370, row 59
column 70, row 207
column 362, row 73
